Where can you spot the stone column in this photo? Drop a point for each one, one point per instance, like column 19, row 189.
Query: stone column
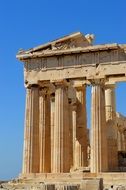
column 125, row 139
column 123, row 142
column 111, row 127
column 99, row 157
column 52, row 130
column 81, row 129
column 74, row 121
column 71, row 133
column 110, row 103
column 31, row 136
column 61, row 131
column 119, row 141
column 44, row 131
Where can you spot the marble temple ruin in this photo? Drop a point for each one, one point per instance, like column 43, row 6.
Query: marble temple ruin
column 58, row 146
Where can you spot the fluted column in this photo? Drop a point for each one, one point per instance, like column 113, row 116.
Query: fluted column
column 123, row 142
column 71, row 132
column 52, row 130
column 110, row 103
column 81, row 129
column 119, row 141
column 74, row 121
column 31, row 136
column 125, row 139
column 111, row 127
column 26, row 151
column 44, row 131
column 99, row 157
column 61, row 131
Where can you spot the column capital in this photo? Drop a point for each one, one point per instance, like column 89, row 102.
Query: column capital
column 32, row 86
column 43, row 91
column 100, row 82
column 110, row 86
column 74, row 106
column 60, row 83
column 52, row 97
column 80, row 87
column 48, row 85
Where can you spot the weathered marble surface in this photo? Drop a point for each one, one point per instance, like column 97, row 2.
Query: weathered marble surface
column 56, row 75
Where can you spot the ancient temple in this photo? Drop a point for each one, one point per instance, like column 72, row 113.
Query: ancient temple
column 57, row 144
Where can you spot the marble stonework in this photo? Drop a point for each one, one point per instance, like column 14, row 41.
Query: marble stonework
column 56, row 139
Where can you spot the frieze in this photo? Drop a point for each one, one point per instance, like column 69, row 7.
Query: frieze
column 72, row 60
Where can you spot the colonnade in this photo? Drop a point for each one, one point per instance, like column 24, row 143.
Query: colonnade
column 49, row 131
column 55, row 139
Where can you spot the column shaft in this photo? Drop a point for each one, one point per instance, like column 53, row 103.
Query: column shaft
column 74, row 121
column 31, row 137
column 99, row 157
column 81, row 129
column 26, row 151
column 119, row 141
column 123, row 142
column 44, row 135
column 125, row 139
column 110, row 103
column 71, row 128
column 52, row 131
column 61, row 131
column 111, row 128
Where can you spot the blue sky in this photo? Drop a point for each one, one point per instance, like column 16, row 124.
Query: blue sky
column 27, row 23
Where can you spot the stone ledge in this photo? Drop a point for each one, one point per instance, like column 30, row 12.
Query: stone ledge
column 88, row 184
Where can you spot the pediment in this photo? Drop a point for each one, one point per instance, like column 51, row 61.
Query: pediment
column 67, row 42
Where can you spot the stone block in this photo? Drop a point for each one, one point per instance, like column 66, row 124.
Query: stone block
column 92, row 184
column 67, row 187
column 50, row 187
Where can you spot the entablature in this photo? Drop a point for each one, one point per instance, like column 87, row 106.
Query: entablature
column 88, row 62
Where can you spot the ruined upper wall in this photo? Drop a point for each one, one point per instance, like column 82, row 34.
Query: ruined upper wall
column 74, row 57
column 67, row 42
